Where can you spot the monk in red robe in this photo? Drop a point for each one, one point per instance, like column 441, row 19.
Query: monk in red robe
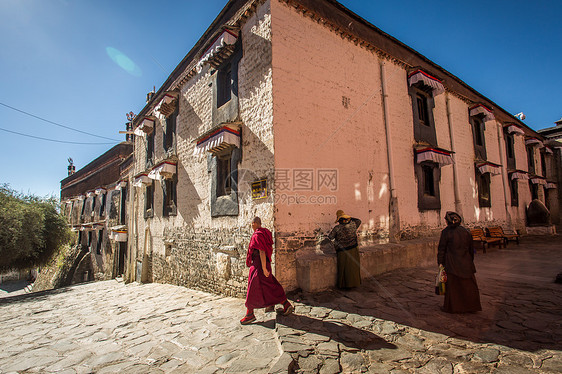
column 264, row 291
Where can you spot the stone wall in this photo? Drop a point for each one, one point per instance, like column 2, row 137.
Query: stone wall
column 193, row 248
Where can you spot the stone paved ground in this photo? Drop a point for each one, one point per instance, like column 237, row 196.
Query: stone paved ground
column 109, row 327
column 391, row 324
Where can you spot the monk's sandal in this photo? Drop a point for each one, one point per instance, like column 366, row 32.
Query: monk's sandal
column 248, row 319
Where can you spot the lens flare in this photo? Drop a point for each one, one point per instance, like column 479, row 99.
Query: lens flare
column 123, row 61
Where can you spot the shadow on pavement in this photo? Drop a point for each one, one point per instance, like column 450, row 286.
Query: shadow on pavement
column 337, row 331
column 519, row 311
column 33, row 296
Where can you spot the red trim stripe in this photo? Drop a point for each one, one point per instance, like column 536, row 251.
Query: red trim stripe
column 433, row 150
column 483, row 106
column 228, row 129
column 424, row 73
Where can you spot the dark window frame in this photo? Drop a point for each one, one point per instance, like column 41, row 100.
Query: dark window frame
column 429, row 197
column 123, row 206
column 510, row 150
column 103, row 203
column 484, row 183
column 225, row 83
column 424, row 128
column 169, row 194
column 227, row 204
column 514, row 190
column 169, row 138
column 531, row 159
column 543, row 164
column 99, row 241
column 534, row 189
column 479, row 136
column 149, row 200
column 150, row 148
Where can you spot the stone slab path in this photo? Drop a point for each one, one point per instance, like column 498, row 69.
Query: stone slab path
column 110, row 327
column 391, row 324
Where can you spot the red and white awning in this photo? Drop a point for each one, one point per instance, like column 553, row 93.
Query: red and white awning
column 427, row 80
column 519, row 175
column 482, row 110
column 122, row 184
column 118, row 235
column 550, row 185
column 436, row 155
column 488, row 167
column 538, row 181
column 167, row 105
column 100, row 191
column 145, row 127
column 533, row 141
column 217, row 140
column 221, row 48
column 141, row 180
column 512, row 129
column 164, row 170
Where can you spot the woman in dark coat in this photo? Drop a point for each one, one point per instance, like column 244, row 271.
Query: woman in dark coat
column 456, row 253
column 344, row 236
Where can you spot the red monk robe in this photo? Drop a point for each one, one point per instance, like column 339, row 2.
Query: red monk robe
column 262, row 291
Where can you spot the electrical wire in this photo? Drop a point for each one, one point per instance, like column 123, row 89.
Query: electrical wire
column 52, row 140
column 58, row 124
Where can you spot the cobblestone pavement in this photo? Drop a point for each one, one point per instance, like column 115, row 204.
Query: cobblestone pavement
column 110, row 327
column 391, row 324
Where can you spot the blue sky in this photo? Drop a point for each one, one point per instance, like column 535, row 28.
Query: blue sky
column 85, row 64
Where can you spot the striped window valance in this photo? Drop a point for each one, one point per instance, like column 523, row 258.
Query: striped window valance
column 439, row 156
column 482, row 110
column 533, row 141
column 512, row 129
column 427, row 80
column 145, row 127
column 489, row 167
column 519, row 175
column 168, row 104
column 221, row 48
column 164, row 170
column 141, row 180
column 550, row 185
column 538, row 181
column 218, row 140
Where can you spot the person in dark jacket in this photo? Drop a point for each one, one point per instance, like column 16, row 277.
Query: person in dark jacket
column 344, row 237
column 456, row 254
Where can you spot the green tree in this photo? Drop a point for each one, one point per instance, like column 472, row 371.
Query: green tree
column 31, row 229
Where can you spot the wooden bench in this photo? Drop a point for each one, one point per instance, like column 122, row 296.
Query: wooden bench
column 478, row 235
column 497, row 232
column 510, row 234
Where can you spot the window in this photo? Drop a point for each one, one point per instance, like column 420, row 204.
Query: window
column 170, row 201
column 224, row 180
column 422, row 106
column 510, row 151
column 225, row 89
column 150, row 148
column 100, row 241
column 94, row 200
column 90, row 234
column 543, row 165
column 514, row 188
column 224, row 175
column 428, row 175
column 123, row 206
column 534, row 190
column 483, row 181
column 479, row 138
column 149, row 200
column 83, row 210
column 224, row 85
column 79, row 241
column 103, row 198
column 531, row 160
column 169, row 136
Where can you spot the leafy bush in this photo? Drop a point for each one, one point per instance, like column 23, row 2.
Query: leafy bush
column 31, row 229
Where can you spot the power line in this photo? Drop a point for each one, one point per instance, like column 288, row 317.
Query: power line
column 57, row 124
column 49, row 140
